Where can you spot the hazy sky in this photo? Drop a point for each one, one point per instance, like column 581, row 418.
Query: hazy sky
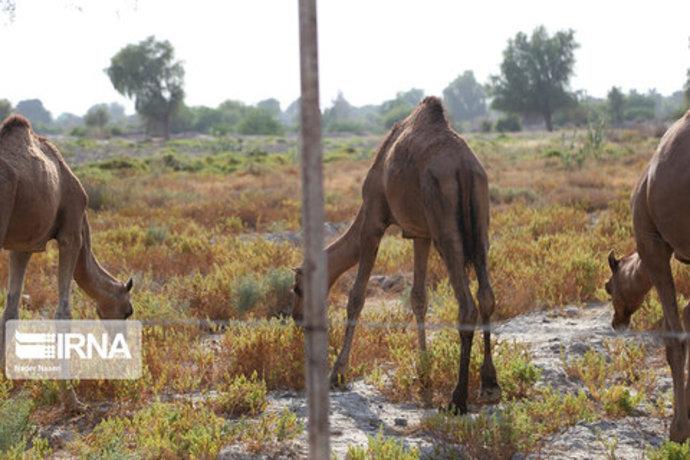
column 56, row 50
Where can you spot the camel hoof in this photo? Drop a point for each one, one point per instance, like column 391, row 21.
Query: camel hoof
column 490, row 393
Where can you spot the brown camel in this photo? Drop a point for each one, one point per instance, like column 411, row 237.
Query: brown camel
column 425, row 179
column 661, row 222
column 40, row 200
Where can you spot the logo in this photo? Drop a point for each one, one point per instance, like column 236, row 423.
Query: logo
column 73, row 349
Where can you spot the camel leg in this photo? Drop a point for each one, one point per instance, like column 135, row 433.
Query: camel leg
column 69, row 247
column 656, row 255
column 686, row 328
column 355, row 302
column 419, row 307
column 490, row 390
column 18, row 264
column 418, row 294
column 450, row 247
column 440, row 193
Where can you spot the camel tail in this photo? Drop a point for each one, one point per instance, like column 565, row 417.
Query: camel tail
column 472, row 219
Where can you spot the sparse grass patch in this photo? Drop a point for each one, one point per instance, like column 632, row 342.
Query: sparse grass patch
column 241, row 396
column 517, row 427
column 381, row 448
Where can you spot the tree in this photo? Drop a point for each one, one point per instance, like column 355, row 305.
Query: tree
column 270, row 105
column 394, row 110
column 33, row 110
column 97, row 116
column 5, row 109
column 535, row 74
column 465, row 98
column 148, row 72
column 616, row 102
column 259, row 121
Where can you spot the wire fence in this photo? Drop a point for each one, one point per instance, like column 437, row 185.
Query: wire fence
column 497, row 328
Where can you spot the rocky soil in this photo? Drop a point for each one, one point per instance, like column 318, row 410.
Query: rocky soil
column 361, row 411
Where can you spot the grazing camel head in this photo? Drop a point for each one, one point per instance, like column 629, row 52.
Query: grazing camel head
column 627, row 287
column 118, row 305
column 298, row 298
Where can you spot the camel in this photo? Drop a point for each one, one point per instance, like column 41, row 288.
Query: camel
column 40, row 200
column 426, row 180
column 661, row 223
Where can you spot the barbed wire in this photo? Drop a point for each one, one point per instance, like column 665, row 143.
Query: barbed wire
column 497, row 328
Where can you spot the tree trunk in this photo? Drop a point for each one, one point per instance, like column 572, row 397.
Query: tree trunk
column 549, row 122
column 166, row 127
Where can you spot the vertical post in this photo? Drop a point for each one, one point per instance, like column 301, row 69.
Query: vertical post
column 316, row 328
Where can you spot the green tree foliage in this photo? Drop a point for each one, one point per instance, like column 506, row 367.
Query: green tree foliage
column 33, row 110
column 396, row 109
column 259, row 121
column 270, row 105
column 616, row 101
column 535, row 73
column 509, row 123
column 342, row 116
column 639, row 106
column 97, row 116
column 5, row 109
column 148, row 72
column 465, row 98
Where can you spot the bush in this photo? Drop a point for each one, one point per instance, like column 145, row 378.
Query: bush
column 382, row 448
column 278, row 285
column 486, row 126
column 246, row 293
column 242, row 396
column 14, row 420
column 509, row 123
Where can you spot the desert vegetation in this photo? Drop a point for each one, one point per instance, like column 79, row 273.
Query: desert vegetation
column 210, row 228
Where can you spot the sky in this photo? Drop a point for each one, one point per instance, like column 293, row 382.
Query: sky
column 247, row 50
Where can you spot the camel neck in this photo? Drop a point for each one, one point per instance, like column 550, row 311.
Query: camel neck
column 343, row 253
column 91, row 277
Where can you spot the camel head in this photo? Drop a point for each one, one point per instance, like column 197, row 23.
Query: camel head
column 626, row 297
column 298, row 299
column 117, row 305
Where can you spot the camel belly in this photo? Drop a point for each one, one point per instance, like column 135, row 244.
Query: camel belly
column 405, row 203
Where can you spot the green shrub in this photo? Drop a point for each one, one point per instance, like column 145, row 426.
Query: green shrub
column 246, row 293
column 381, row 448
column 619, row 402
column 278, row 285
column 509, row 123
column 241, row 396
column 155, row 235
column 670, row 451
column 14, row 420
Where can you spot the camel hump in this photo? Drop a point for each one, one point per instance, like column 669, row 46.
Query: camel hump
column 431, row 109
column 14, row 122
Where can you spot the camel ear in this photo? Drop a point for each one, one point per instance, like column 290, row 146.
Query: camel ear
column 613, row 262
column 297, row 270
column 129, row 285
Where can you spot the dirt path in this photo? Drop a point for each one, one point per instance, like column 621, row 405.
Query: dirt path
column 362, row 411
